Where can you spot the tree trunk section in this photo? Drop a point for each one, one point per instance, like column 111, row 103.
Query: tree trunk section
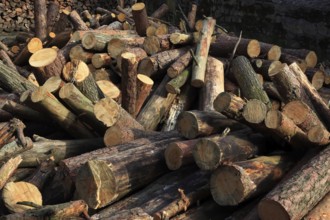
column 40, row 17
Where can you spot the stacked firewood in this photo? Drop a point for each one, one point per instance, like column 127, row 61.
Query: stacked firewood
column 115, row 112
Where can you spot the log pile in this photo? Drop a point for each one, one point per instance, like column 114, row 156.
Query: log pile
column 130, row 117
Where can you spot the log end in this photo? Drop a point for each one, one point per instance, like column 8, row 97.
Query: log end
column 116, row 47
column 146, row 67
column 273, row 119
column 34, row 45
column 207, row 154
column 173, row 156
column 222, row 102
column 187, row 125
column 138, row 6
column 95, row 184
column 319, row 135
column 107, row 111
column 254, row 111
column 198, row 83
column 311, row 59
column 253, row 49
column 88, row 41
column 274, row 53
column 109, row 89
column 269, row 210
column 43, row 57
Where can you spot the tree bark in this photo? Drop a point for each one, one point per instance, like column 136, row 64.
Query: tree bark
column 230, row 105
column 8, row 169
column 179, row 65
column 77, row 22
column 40, row 18
column 293, row 198
column 117, row 45
column 156, row 44
column 52, row 13
column 42, row 174
column 32, row 46
column 174, row 85
column 139, row 53
column 144, row 86
column 77, row 52
column 140, row 17
column 309, row 56
column 270, row 51
column 161, row 11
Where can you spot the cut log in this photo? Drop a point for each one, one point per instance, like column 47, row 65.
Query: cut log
column 179, row 154
column 225, row 44
column 270, row 51
column 82, row 106
column 174, row 85
column 6, row 59
column 214, row 84
column 109, row 89
column 157, row 106
column 229, row 104
column 179, row 65
column 254, row 111
column 140, row 17
column 319, row 135
column 62, row 22
column 247, row 80
column 32, row 46
column 107, row 184
column 264, row 67
column 192, row 16
column 53, row 84
column 183, row 39
column 139, row 54
column 201, row 54
column 156, row 64
column 211, row 152
column 117, row 45
column 8, row 169
column 77, row 22
column 8, row 129
column 14, row 148
column 78, row 53
column 161, row 11
column 52, row 13
column 192, row 124
column 40, row 19
column 290, row 59
column 293, row 198
column 129, row 82
column 316, row 77
column 20, row 192
column 100, row 60
column 106, row 34
column 78, row 72
column 109, row 112
column 144, row 86
column 309, row 56
column 234, row 183
column 91, row 41
column 156, row 44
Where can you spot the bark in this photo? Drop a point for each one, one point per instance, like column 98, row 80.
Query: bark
column 296, row 196
column 309, row 56
column 40, row 17
column 32, row 46
column 183, row 39
column 8, row 169
column 140, row 17
column 42, row 174
column 174, row 85
column 316, row 77
column 157, row 106
column 8, row 129
column 105, row 35
column 155, row 44
column 100, row 60
column 321, row 210
column 264, row 67
column 144, row 86
column 52, row 13
column 6, row 59
column 247, row 80
column 78, row 53
column 211, row 152
column 230, row 105
column 161, row 11
column 234, row 183
column 201, row 53
column 192, row 124
column 179, row 65
column 192, row 16
column 14, row 148
column 62, row 22
column 131, row 214
column 117, row 45
column 123, row 176
column 254, row 111
column 270, row 51
column 290, row 59
column 77, row 22
column 139, row 53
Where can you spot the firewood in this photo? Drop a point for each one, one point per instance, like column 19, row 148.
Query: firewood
column 90, row 41
column 246, row 79
column 270, row 51
column 78, row 72
column 8, row 169
column 128, row 83
column 316, row 77
column 53, row 84
column 199, row 25
column 214, row 84
column 179, row 65
column 156, row 64
column 301, row 185
column 155, row 109
column 15, row 148
column 20, row 192
column 77, row 22
column 254, row 111
column 210, row 152
column 92, row 21
column 117, row 45
column 116, row 25
column 155, row 44
column 201, row 53
column 6, row 59
column 151, row 30
column 131, row 214
column 308, row 55
column 78, row 53
column 144, row 86
column 174, row 85
column 192, row 16
column 162, row 29
column 82, row 106
column 20, row 174
column 6, row 49
column 140, row 17
column 139, row 54
column 42, row 174
column 109, row 89
column 60, row 113
column 319, row 135
column 125, row 165
column 224, row 45
column 148, row 200
column 60, row 40
column 192, row 124
column 62, row 22
column 40, row 18
column 321, row 210
column 161, row 11
column 182, row 39
column 289, row 59
column 109, row 112
column 246, row 212
column 287, row 129
column 40, row 60
column 59, row 149
column 248, row 178
column 106, row 34
column 69, row 210
column 100, row 60
column 272, row 92
column 32, row 46
column 229, row 104
column 265, row 67
column 52, row 13
column 321, row 108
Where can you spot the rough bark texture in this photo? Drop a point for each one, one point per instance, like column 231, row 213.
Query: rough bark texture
column 40, row 16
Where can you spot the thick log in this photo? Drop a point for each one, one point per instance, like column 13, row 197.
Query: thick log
column 139, row 54
column 293, row 198
column 40, row 19
column 91, row 41
column 270, row 51
column 192, row 124
column 69, row 210
column 140, row 17
column 214, row 84
column 131, row 214
column 110, row 183
column 264, row 67
column 201, row 53
column 247, row 80
column 155, row 44
column 174, row 85
column 20, row 192
column 20, row 174
column 319, row 135
column 129, row 82
column 8, row 169
column 187, row 179
column 52, row 13
column 290, row 59
column 42, row 174
column 157, row 106
column 62, row 22
column 14, row 148
column 106, row 34
column 320, row 107
column 78, row 72
column 316, row 77
column 254, row 111
column 144, row 86
column 234, row 183
column 183, row 39
column 161, row 11
column 100, row 60
column 8, row 129
column 230, row 105
column 77, row 22
column 225, row 44
column 109, row 89
column 179, row 65
column 32, row 46
column 192, row 16
column 117, row 45
column 53, row 84
column 82, row 106
column 308, row 56
column 211, row 152
column 6, row 59
column 156, row 64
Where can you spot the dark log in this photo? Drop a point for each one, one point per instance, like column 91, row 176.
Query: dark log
column 52, row 13
column 40, row 17
column 140, row 17
column 77, row 22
